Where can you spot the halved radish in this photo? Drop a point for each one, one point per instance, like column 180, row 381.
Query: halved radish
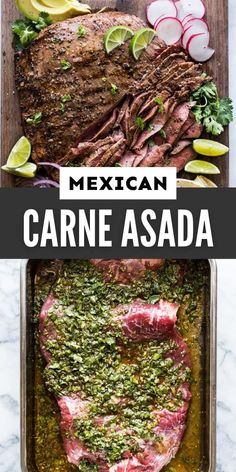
column 196, row 22
column 169, row 30
column 159, row 8
column 198, row 48
column 194, row 7
column 192, row 31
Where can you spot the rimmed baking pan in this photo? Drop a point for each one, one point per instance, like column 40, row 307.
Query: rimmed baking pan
column 39, row 416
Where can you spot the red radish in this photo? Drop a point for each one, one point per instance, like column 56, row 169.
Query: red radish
column 169, row 30
column 181, row 14
column 192, row 31
column 187, row 18
column 201, row 24
column 159, row 8
column 198, row 48
column 194, row 7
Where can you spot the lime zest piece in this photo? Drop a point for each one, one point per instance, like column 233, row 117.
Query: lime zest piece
column 27, row 171
column 141, row 41
column 207, row 147
column 116, row 36
column 20, row 154
column 201, row 167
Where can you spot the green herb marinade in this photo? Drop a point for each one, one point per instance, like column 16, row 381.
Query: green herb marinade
column 103, row 363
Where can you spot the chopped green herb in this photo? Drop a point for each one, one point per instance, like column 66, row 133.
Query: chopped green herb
column 114, row 89
column 81, row 31
column 26, row 31
column 151, row 143
column 158, row 101
column 150, row 127
column 140, row 123
column 162, row 133
column 66, row 65
column 36, row 119
column 64, row 99
column 214, row 113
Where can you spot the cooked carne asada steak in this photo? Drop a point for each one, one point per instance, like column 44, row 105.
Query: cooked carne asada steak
column 106, row 109
column 120, row 375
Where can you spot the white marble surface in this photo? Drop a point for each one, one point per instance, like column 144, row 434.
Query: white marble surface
column 9, row 367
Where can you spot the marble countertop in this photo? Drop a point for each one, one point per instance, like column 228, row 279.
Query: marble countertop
column 10, row 366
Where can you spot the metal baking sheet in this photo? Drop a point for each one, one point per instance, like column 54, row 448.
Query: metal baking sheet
column 208, row 381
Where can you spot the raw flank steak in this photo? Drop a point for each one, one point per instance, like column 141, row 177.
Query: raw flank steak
column 107, row 110
column 141, row 342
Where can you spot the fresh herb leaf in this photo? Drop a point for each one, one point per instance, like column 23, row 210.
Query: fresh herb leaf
column 225, row 115
column 158, row 101
column 81, row 31
column 140, row 123
column 114, row 89
column 214, row 113
column 151, row 143
column 24, row 32
column 66, row 65
column 64, row 99
column 42, row 22
column 35, row 120
column 162, row 133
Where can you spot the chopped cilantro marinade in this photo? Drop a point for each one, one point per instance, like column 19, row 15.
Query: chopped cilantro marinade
column 92, row 358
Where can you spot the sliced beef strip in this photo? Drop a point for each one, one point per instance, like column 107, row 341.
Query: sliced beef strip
column 141, row 322
column 155, row 155
column 177, row 120
column 182, row 144
column 194, row 131
column 180, row 160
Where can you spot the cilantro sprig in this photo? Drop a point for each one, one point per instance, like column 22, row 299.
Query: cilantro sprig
column 26, row 31
column 210, row 110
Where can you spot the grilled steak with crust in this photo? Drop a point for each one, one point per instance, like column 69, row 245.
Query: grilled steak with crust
column 42, row 82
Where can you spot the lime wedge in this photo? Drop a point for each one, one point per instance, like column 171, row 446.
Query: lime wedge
column 19, row 154
column 28, row 170
column 201, row 167
column 140, row 41
column 206, row 147
column 116, row 36
column 204, row 182
column 184, row 183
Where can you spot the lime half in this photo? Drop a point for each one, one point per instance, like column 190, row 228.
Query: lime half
column 116, row 36
column 204, row 182
column 206, row 147
column 201, row 167
column 28, row 170
column 141, row 40
column 19, row 154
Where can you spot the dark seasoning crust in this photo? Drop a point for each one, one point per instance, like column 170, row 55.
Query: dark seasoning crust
column 94, row 85
column 189, row 293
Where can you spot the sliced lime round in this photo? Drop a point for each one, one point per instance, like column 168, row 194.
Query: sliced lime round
column 140, row 41
column 28, row 170
column 201, row 167
column 19, row 154
column 116, row 36
column 204, row 182
column 207, row 147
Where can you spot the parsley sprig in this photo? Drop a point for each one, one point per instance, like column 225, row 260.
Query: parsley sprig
column 210, row 110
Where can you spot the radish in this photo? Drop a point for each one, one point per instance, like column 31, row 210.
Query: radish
column 187, row 18
column 198, row 48
column 159, row 8
column 181, row 14
column 169, row 30
column 193, row 31
column 197, row 23
column 194, row 7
